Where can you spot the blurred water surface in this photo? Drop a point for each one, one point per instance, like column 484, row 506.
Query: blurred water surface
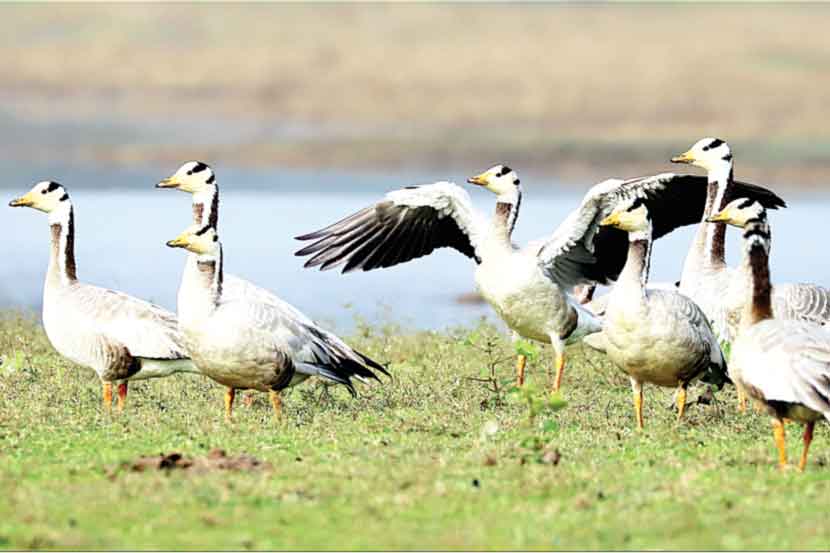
column 122, row 223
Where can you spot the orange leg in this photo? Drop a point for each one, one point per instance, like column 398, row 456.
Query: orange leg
column 780, row 442
column 276, row 403
column 107, row 396
column 122, row 396
column 560, row 368
column 808, row 438
column 230, row 394
column 741, row 399
column 637, row 389
column 681, row 402
column 521, row 361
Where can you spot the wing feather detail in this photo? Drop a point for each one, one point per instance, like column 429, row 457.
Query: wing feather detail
column 582, row 252
column 406, row 224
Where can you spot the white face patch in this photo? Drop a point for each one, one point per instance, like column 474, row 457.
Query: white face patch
column 49, row 197
column 502, row 181
column 194, row 177
column 712, row 154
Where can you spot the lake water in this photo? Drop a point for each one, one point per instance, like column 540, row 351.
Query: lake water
column 122, row 223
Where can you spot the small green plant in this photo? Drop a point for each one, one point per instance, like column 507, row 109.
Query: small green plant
column 528, row 349
column 537, row 400
column 489, row 344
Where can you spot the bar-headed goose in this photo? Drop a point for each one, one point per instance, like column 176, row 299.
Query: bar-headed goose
column 199, row 180
column 782, row 364
column 656, row 336
column 528, row 287
column 244, row 342
column 706, row 278
column 120, row 337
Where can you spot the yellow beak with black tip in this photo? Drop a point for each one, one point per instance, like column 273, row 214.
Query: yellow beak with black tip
column 25, row 200
column 685, row 157
column 610, row 221
column 169, row 182
column 181, row 241
column 481, row 180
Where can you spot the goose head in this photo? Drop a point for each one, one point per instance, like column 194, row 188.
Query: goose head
column 204, row 241
column 708, row 153
column 501, row 180
column 47, row 196
column 193, row 177
column 739, row 212
column 631, row 216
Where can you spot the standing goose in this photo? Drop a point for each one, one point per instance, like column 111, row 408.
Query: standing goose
column 245, row 342
column 198, row 179
column 657, row 336
column 782, row 364
column 528, row 287
column 706, row 278
column 120, row 337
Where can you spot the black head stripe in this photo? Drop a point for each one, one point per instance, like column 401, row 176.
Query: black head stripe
column 198, row 168
column 636, row 203
column 211, row 178
column 713, row 144
column 744, row 204
column 516, row 182
column 755, row 230
column 202, row 230
column 727, row 157
column 504, row 170
column 64, row 197
column 52, row 186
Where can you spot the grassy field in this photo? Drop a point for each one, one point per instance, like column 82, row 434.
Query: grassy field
column 431, row 459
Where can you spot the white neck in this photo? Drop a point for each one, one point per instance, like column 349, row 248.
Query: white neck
column 638, row 263
column 720, row 172
column 504, row 219
column 201, row 288
column 707, row 251
column 206, row 206
column 62, row 268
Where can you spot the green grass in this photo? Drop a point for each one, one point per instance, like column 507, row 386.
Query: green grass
column 396, row 467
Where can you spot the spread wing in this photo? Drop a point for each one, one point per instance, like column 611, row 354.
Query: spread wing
column 580, row 251
column 406, row 224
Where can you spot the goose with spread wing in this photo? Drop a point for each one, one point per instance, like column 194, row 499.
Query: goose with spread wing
column 528, row 287
column 706, row 278
column 784, row 365
column 121, row 337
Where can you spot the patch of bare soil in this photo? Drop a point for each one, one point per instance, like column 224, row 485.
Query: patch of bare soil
column 216, row 459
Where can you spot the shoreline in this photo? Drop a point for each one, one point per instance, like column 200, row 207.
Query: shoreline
column 569, row 163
